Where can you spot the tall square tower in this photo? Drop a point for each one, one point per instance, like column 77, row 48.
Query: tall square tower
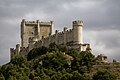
column 34, row 29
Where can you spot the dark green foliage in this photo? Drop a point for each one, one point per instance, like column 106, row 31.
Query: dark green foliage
column 37, row 78
column 37, row 52
column 53, row 47
column 56, row 76
column 2, row 77
column 82, row 61
column 77, row 76
column 18, row 60
column 87, row 58
column 67, row 76
column 104, row 75
column 87, row 76
column 82, row 69
column 57, row 62
column 72, row 52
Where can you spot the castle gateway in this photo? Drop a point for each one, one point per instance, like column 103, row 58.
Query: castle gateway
column 36, row 34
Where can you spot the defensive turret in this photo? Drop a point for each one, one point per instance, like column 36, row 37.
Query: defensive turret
column 77, row 31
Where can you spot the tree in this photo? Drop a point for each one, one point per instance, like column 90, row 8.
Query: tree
column 32, row 74
column 55, row 63
column 87, row 76
column 76, row 76
column 2, row 77
column 87, row 59
column 18, row 60
column 24, row 78
column 12, row 78
column 56, row 76
column 67, row 76
column 54, row 60
column 104, row 75
column 82, row 69
column 37, row 78
column 84, row 58
column 53, row 47
column 37, row 52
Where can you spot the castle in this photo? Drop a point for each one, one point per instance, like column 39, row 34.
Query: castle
column 35, row 34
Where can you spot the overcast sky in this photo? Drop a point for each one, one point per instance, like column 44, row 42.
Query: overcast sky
column 101, row 22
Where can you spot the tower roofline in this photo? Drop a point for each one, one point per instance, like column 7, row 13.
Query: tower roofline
column 78, row 23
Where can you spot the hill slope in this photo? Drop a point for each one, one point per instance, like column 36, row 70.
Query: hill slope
column 54, row 63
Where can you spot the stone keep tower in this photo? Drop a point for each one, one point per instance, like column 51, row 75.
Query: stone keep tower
column 34, row 29
column 77, row 32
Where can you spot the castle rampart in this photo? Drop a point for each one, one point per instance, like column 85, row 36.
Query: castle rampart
column 35, row 34
column 34, row 29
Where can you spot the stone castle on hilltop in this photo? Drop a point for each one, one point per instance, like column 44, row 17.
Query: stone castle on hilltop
column 36, row 34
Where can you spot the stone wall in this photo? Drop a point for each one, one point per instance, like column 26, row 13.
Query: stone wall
column 36, row 29
column 70, row 37
column 64, row 37
column 35, row 34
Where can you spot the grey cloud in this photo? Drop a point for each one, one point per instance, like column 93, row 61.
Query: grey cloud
column 104, row 42
column 106, row 15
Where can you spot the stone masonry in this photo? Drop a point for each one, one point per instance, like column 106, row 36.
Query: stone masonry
column 35, row 34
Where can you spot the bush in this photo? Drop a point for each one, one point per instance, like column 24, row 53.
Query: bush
column 18, row 60
column 37, row 52
column 104, row 75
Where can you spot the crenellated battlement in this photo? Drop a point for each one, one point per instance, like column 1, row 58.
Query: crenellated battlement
column 33, row 39
column 36, row 22
column 36, row 29
column 37, row 33
column 78, row 23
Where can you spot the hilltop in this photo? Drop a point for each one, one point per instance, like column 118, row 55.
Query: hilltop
column 57, row 62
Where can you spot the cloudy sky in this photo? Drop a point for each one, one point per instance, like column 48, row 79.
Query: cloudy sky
column 101, row 22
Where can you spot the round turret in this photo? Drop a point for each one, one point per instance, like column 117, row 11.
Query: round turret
column 37, row 21
column 23, row 20
column 78, row 23
column 77, row 31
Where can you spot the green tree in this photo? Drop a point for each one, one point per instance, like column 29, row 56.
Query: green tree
column 12, row 78
column 53, row 47
column 84, row 58
column 76, row 76
column 37, row 78
column 18, row 60
column 87, row 59
column 56, row 76
column 2, row 77
column 82, row 69
column 37, row 52
column 67, row 76
column 87, row 76
column 24, row 78
column 55, row 60
column 104, row 75
column 32, row 74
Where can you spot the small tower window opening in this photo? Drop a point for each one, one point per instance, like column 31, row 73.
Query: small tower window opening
column 32, row 32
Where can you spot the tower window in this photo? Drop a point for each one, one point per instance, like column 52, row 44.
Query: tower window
column 32, row 32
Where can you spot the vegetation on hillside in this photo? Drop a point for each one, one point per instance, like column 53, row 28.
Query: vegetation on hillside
column 54, row 63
